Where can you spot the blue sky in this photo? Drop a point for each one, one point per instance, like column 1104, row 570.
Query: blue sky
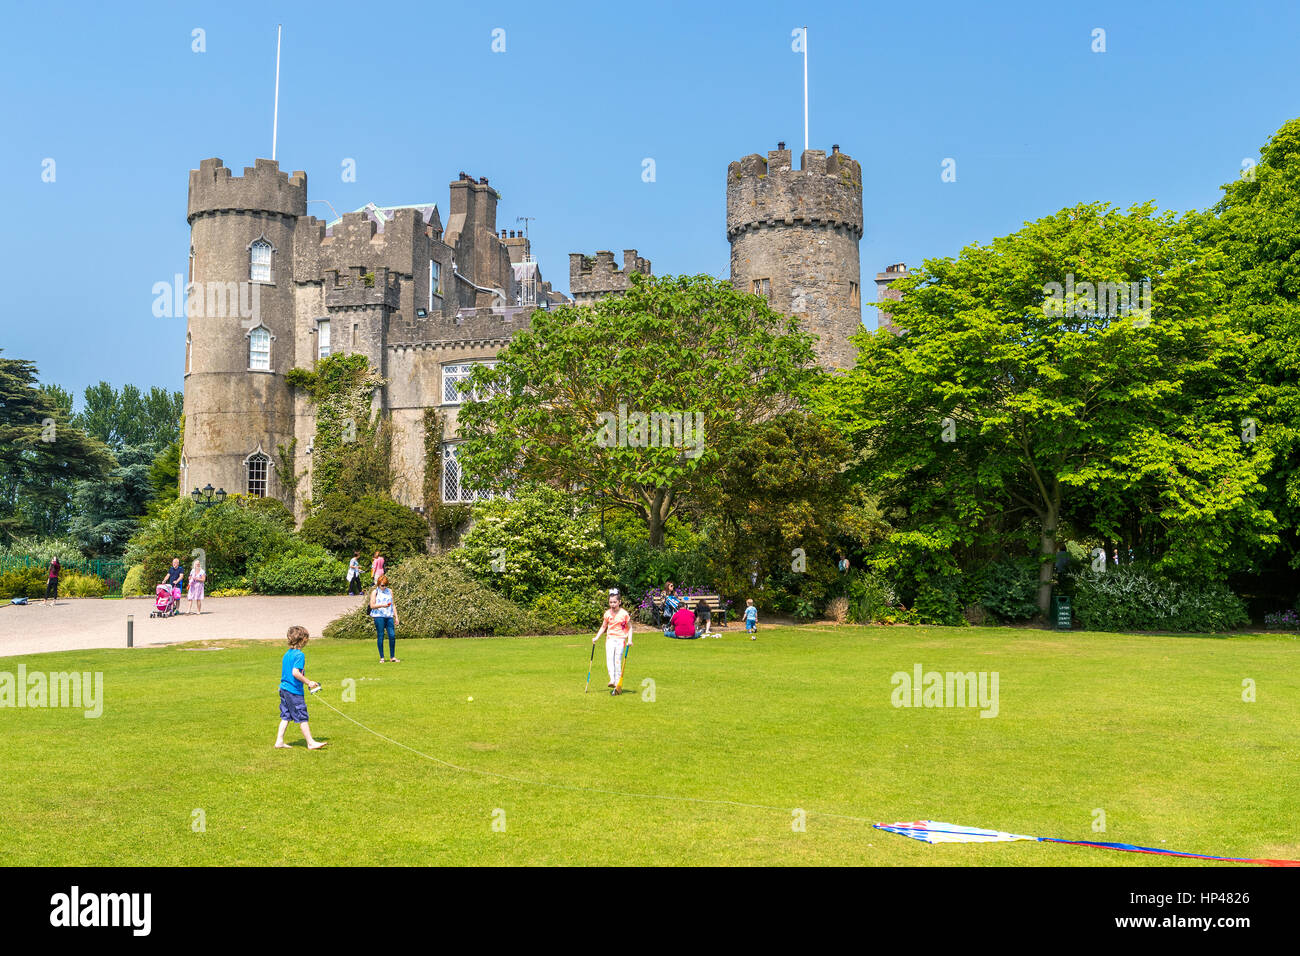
column 562, row 120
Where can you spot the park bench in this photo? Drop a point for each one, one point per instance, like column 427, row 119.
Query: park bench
column 714, row 601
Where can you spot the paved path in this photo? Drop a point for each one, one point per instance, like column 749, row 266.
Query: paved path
column 76, row 624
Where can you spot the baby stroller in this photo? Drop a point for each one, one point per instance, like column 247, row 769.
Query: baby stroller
column 167, row 601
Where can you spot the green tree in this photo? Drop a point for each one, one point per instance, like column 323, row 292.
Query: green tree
column 42, row 453
column 583, row 398
column 1007, row 394
column 1256, row 228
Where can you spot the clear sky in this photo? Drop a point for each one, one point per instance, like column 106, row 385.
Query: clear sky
column 562, row 120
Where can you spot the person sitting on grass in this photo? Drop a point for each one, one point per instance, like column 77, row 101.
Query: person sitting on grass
column 293, row 707
column 384, row 613
column 684, row 624
column 704, row 615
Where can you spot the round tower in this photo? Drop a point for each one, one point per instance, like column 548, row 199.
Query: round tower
column 794, row 238
column 240, row 325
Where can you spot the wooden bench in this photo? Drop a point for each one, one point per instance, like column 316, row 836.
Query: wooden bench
column 716, row 607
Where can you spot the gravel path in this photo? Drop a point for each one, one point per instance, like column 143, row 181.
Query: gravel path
column 74, row 624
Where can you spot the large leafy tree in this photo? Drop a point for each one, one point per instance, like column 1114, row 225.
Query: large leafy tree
column 41, row 453
column 998, row 400
column 564, row 402
column 1256, row 227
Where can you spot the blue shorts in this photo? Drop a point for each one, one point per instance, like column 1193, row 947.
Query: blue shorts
column 750, row 625
column 293, row 707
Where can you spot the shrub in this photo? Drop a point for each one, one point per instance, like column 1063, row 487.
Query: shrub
column 870, row 598
column 78, row 585
column 1133, row 597
column 305, row 569
column 1287, row 619
column 638, row 567
column 133, row 584
column 230, row 592
column 30, row 583
column 236, row 536
column 1010, row 590
column 534, row 544
column 838, row 609
column 368, row 524
column 435, row 598
column 23, row 582
column 938, row 601
column 560, row 611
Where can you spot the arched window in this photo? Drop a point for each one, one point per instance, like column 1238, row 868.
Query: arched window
column 259, row 260
column 259, row 349
column 256, row 467
column 189, row 348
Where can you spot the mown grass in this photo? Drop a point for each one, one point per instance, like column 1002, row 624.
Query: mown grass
column 1152, row 730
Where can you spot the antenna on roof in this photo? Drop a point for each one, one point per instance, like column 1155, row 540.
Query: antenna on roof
column 525, row 220
column 805, row 89
column 275, row 120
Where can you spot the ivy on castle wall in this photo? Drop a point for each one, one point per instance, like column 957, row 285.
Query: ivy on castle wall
column 351, row 452
column 446, row 521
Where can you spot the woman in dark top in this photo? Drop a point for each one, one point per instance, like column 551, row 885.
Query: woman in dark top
column 52, row 582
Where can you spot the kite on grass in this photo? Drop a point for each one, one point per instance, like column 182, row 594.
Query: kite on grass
column 932, row 831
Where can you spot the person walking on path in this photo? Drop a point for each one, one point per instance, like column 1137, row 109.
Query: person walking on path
column 52, row 582
column 384, row 613
column 354, row 573
column 616, row 625
column 195, row 594
column 377, row 567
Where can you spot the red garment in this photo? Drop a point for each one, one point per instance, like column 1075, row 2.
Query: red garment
column 684, row 622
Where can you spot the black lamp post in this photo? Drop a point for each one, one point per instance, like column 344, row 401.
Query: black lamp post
column 204, row 497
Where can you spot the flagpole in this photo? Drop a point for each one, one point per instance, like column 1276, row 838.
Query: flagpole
column 805, row 89
column 275, row 121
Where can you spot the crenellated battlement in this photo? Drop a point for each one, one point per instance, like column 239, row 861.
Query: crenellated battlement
column 264, row 187
column 594, row 276
column 825, row 191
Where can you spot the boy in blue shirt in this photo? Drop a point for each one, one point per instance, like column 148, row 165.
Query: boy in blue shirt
column 751, row 619
column 292, row 705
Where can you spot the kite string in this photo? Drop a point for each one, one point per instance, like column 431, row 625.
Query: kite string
column 580, row 789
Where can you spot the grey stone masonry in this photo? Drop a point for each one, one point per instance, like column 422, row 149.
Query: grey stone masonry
column 794, row 237
column 590, row 278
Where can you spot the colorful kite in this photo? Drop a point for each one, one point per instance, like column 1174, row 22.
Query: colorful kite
column 931, row 831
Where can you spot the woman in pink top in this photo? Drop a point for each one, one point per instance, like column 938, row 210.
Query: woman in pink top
column 377, row 567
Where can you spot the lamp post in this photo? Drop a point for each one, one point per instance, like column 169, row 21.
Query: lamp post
column 204, row 498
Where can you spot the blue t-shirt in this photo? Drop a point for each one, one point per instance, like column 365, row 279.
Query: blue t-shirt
column 751, row 614
column 174, row 576
column 292, row 658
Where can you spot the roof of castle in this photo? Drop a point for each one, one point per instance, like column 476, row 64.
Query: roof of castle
column 381, row 214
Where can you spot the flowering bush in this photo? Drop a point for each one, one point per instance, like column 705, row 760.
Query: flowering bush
column 1288, row 620
column 646, row 609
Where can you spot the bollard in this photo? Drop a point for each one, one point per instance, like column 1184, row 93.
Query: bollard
column 130, row 630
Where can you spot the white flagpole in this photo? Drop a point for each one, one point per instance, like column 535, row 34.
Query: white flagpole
column 805, row 89
column 275, row 121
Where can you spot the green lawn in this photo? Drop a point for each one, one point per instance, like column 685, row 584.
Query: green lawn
column 1151, row 729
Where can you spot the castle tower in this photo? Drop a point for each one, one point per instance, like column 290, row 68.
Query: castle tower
column 240, row 325
column 794, row 239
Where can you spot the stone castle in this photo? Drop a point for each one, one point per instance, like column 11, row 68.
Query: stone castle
column 424, row 301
